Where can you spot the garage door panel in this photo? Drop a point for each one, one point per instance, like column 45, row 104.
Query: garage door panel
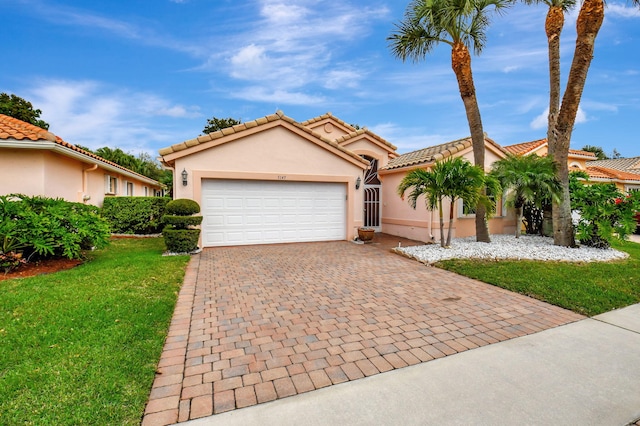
column 259, row 212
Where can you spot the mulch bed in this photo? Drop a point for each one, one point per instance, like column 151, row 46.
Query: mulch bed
column 41, row 267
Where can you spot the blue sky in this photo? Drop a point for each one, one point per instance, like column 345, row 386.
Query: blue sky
column 143, row 75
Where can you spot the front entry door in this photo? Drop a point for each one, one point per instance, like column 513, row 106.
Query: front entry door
column 372, row 191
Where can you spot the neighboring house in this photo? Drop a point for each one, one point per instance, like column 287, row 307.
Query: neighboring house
column 577, row 159
column 274, row 180
column 34, row 161
column 623, row 172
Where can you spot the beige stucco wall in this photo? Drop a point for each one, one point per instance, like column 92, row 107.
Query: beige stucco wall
column 278, row 153
column 363, row 146
column 42, row 172
column 398, row 218
column 328, row 128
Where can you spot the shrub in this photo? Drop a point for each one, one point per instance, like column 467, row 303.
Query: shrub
column 605, row 213
column 182, row 207
column 180, row 235
column 49, row 227
column 134, row 215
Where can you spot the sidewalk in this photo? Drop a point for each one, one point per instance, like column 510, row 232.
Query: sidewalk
column 584, row 373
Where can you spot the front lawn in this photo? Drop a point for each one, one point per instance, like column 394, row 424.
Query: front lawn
column 585, row 288
column 81, row 346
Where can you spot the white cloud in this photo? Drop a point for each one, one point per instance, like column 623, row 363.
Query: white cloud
column 278, row 97
column 339, row 79
column 541, row 121
column 622, row 11
column 408, row 139
column 91, row 114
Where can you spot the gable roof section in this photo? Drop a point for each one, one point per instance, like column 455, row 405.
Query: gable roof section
column 525, row 148
column 357, row 135
column 436, row 153
column 216, row 138
column 329, row 117
column 26, row 135
column 599, row 172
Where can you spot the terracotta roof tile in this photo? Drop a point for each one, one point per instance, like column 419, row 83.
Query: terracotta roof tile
column 324, row 117
column 239, row 128
column 435, row 153
column 524, row 147
column 365, row 131
column 599, row 172
column 14, row 129
column 581, row 153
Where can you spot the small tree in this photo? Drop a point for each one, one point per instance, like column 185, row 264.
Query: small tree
column 452, row 179
column 16, row 107
column 180, row 232
column 214, row 124
column 530, row 179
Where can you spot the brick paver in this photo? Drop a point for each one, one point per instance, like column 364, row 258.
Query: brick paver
column 257, row 323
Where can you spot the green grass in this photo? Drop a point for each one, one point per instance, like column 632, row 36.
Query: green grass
column 81, row 346
column 585, row 288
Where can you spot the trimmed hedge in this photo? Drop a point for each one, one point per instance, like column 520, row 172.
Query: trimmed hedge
column 182, row 222
column 181, row 240
column 182, row 207
column 179, row 233
column 135, row 215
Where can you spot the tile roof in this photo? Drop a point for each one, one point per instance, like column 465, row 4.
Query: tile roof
column 435, row 153
column 324, row 117
column 365, row 131
column 599, row 172
column 524, row 147
column 239, row 128
column 14, row 129
column 631, row 165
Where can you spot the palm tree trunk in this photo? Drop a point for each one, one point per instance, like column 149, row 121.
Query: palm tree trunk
column 441, row 223
column 450, row 224
column 588, row 24
column 518, row 221
column 553, row 26
column 461, row 64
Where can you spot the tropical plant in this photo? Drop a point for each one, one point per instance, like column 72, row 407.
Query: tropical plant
column 528, row 178
column 452, row 179
column 462, row 24
column 597, row 150
column 604, row 212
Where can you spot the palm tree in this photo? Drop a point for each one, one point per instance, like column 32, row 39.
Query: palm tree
column 452, row 179
column 461, row 24
column 530, row 179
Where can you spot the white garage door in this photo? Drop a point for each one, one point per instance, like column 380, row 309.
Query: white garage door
column 240, row 212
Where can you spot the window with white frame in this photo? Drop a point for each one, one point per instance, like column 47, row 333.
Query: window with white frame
column 130, row 189
column 146, row 191
column 110, row 184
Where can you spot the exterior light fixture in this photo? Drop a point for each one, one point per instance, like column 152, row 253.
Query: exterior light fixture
column 358, row 182
column 185, row 175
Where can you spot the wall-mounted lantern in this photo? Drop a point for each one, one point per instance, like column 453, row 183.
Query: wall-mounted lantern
column 185, row 175
column 358, row 182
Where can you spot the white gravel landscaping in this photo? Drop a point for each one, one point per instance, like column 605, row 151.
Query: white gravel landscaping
column 509, row 247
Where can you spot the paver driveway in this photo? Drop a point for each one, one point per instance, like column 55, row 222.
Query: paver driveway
column 257, row 323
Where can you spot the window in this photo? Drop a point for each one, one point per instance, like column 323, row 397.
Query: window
column 130, row 189
column 110, row 185
column 146, row 191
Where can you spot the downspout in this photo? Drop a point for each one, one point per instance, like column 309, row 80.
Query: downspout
column 85, row 182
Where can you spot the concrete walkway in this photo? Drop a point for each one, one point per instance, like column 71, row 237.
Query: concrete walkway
column 584, row 373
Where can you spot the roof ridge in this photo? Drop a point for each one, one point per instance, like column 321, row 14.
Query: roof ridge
column 238, row 128
column 325, row 116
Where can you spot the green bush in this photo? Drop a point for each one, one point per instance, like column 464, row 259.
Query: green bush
column 46, row 227
column 182, row 207
column 134, row 215
column 179, row 234
column 181, row 240
column 182, row 222
column 605, row 213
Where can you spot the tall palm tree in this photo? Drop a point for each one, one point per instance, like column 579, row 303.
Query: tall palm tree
column 529, row 179
column 462, row 24
column 452, row 179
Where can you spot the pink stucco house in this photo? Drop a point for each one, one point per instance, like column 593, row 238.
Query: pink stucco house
column 275, row 180
column 34, row 161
